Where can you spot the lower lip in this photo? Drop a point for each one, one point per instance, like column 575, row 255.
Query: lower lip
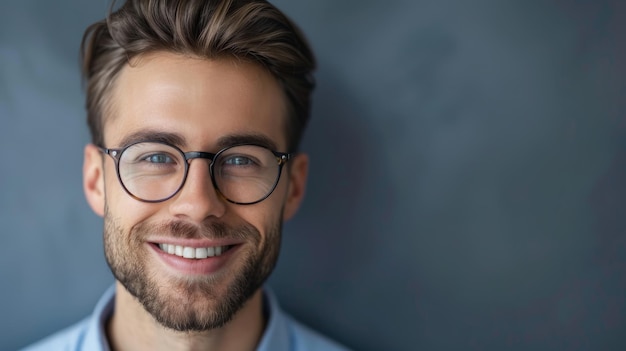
column 205, row 266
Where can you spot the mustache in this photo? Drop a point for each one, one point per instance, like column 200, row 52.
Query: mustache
column 211, row 230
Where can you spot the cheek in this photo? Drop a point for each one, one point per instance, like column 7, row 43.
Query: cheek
column 122, row 207
column 263, row 216
column 266, row 212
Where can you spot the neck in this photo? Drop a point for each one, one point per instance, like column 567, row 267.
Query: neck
column 132, row 328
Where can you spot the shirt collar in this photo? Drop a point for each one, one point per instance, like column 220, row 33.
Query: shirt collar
column 275, row 336
column 95, row 338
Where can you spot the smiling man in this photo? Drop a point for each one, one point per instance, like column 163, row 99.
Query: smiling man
column 196, row 109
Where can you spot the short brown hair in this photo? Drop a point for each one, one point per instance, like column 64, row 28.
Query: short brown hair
column 253, row 30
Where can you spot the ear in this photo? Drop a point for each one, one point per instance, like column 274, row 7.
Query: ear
column 298, row 170
column 93, row 179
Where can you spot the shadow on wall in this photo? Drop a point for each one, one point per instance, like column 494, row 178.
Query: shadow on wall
column 608, row 201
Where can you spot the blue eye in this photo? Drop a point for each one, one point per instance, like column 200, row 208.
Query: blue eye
column 238, row 161
column 159, row 158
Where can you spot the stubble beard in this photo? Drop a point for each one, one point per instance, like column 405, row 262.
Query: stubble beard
column 199, row 303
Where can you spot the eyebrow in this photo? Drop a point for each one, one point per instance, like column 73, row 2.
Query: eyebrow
column 178, row 140
column 247, row 138
column 153, row 135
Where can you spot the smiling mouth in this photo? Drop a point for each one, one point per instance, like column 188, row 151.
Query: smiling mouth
column 194, row 252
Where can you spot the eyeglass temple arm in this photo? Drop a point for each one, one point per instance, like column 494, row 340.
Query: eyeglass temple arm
column 114, row 153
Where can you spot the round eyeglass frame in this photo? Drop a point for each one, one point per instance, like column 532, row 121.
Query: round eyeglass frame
column 116, row 154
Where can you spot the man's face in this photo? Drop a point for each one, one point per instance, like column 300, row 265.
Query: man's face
column 199, row 105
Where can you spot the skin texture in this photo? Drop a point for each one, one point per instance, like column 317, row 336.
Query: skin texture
column 203, row 102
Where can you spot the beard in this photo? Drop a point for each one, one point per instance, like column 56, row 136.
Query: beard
column 195, row 303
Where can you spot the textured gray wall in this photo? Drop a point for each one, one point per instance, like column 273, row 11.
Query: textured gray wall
column 468, row 181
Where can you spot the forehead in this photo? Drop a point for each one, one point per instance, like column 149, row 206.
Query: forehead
column 201, row 100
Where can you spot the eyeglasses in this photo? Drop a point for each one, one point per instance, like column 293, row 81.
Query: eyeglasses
column 154, row 171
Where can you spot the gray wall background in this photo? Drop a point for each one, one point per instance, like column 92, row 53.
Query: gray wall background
column 468, row 181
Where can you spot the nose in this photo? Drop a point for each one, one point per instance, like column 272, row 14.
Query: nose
column 198, row 199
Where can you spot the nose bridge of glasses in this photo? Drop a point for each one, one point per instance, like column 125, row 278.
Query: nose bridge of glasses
column 198, row 154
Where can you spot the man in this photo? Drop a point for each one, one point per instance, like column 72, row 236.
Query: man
column 196, row 109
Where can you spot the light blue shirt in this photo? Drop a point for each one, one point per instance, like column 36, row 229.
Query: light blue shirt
column 282, row 333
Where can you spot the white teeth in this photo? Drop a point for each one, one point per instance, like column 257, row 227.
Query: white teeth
column 210, row 251
column 201, row 252
column 192, row 252
column 189, row 252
